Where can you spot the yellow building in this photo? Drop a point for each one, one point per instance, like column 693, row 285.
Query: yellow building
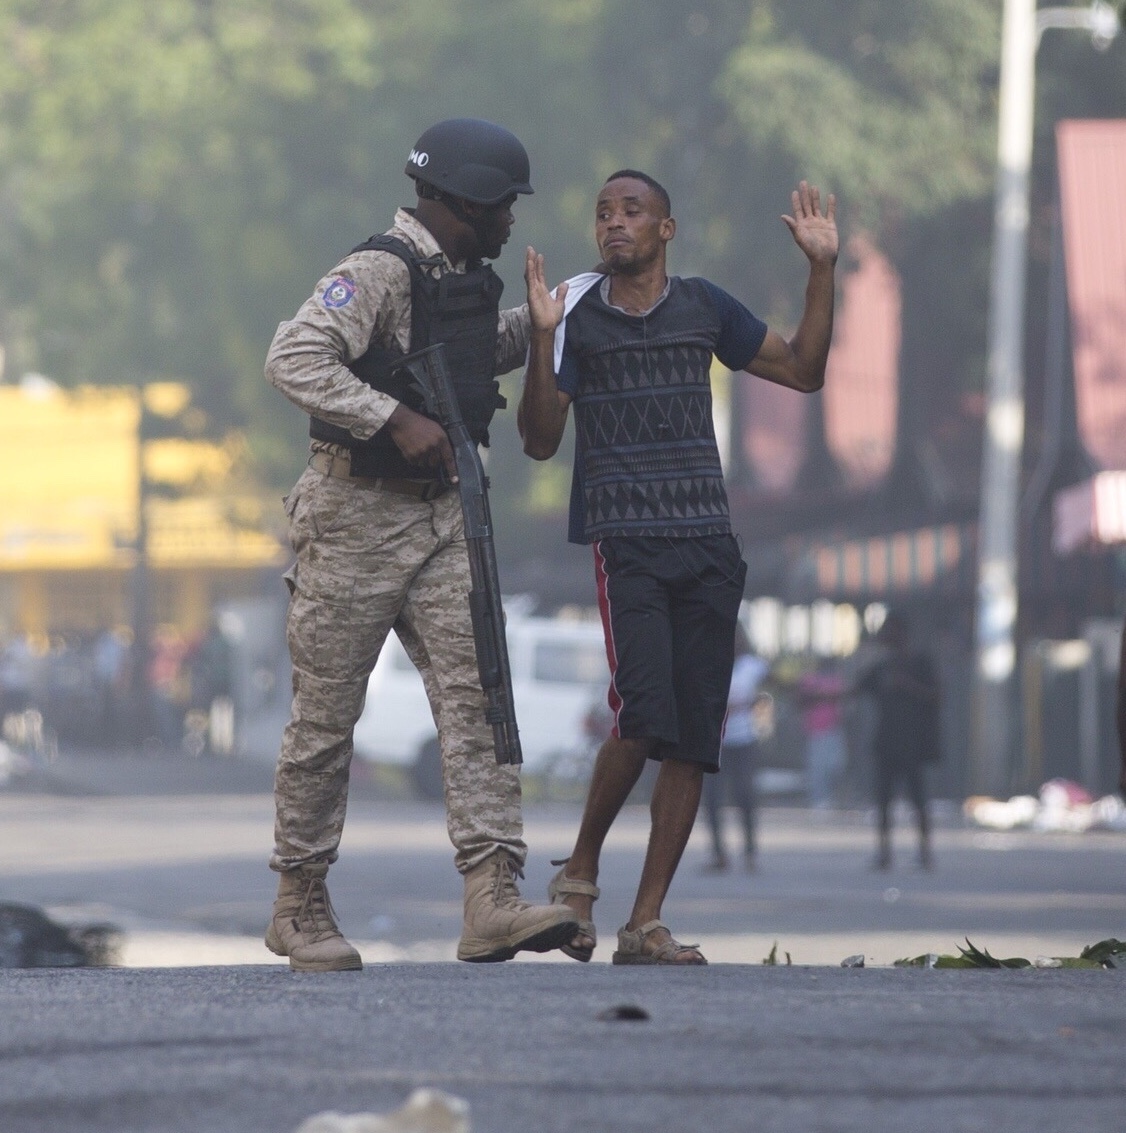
column 72, row 484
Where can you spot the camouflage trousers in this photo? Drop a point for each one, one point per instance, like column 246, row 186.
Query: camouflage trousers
column 369, row 561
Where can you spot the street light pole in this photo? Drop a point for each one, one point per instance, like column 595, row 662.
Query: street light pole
column 997, row 598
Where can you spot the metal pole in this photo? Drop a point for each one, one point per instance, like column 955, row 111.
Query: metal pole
column 992, row 738
column 992, row 747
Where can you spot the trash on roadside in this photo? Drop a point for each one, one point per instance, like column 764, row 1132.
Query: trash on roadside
column 623, row 1012
column 1109, row 953
column 856, row 961
column 425, row 1111
column 1059, row 805
column 30, row 939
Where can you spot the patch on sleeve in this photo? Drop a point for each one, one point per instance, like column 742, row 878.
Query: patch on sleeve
column 339, row 292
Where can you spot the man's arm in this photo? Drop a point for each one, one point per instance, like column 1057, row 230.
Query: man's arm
column 542, row 414
column 367, row 297
column 512, row 338
column 800, row 363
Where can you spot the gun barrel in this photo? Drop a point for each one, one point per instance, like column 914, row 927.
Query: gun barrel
column 432, row 377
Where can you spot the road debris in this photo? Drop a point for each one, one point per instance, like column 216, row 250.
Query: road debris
column 1109, row 953
column 425, row 1111
column 30, row 939
column 1060, row 805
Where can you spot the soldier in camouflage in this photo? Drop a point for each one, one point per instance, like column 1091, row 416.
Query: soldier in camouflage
column 380, row 544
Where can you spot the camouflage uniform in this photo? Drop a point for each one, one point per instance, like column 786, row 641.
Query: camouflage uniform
column 368, row 561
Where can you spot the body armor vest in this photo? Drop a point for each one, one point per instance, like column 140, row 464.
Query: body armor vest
column 462, row 311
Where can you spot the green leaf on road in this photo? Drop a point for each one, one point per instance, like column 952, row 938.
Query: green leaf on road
column 1109, row 953
column 772, row 959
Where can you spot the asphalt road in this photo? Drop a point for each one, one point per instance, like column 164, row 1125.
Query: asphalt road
column 202, row 1031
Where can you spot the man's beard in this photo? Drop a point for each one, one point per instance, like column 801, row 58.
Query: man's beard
column 617, row 266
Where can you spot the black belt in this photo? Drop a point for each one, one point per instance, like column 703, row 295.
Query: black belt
column 341, row 468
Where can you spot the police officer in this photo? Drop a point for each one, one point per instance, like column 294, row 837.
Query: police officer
column 379, row 541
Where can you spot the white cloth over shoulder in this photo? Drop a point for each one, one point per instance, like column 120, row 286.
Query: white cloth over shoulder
column 577, row 287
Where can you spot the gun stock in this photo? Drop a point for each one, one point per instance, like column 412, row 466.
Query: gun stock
column 431, row 378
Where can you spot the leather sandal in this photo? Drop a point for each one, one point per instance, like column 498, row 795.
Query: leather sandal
column 559, row 887
column 631, row 943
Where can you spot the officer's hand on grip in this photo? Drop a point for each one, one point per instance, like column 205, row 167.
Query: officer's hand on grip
column 422, row 441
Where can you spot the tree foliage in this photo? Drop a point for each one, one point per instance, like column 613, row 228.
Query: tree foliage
column 893, row 105
column 150, row 156
column 174, row 176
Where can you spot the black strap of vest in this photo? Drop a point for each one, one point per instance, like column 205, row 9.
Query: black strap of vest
column 416, row 265
column 378, row 456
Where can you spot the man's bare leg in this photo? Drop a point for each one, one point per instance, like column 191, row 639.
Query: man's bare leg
column 617, row 768
column 676, row 799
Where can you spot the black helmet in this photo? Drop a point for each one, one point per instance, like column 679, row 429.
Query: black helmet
column 472, row 159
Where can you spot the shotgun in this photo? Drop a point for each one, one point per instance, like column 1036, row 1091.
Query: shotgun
column 430, row 376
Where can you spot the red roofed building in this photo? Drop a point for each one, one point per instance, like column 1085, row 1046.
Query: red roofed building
column 868, row 492
column 1092, row 163
column 862, row 377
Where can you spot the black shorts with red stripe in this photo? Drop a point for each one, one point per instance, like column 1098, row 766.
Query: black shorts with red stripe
column 669, row 608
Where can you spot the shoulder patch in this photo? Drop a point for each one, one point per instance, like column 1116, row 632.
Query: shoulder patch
column 339, row 292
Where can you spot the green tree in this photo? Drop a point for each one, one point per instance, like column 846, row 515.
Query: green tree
column 174, row 176
column 157, row 166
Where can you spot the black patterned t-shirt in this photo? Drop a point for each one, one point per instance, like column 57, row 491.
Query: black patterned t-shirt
column 646, row 461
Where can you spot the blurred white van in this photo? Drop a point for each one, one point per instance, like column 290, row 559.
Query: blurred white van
column 559, row 673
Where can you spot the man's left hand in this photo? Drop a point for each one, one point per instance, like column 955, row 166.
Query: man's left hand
column 813, row 231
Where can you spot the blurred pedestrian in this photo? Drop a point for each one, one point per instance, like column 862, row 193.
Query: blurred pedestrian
column 211, row 673
column 819, row 697
column 168, row 681
column 632, row 348
column 738, row 757
column 111, row 674
column 904, row 685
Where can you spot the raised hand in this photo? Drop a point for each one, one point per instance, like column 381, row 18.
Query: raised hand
column 546, row 310
column 815, row 233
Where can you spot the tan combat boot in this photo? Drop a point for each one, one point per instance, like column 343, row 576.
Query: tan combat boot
column 303, row 926
column 499, row 923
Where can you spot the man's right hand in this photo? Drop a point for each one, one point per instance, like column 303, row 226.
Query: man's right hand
column 422, row 441
column 545, row 309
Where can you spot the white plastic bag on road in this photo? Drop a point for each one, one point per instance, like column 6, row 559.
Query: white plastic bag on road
column 425, row 1111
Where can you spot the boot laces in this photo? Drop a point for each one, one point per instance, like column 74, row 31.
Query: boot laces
column 315, row 916
column 504, row 884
